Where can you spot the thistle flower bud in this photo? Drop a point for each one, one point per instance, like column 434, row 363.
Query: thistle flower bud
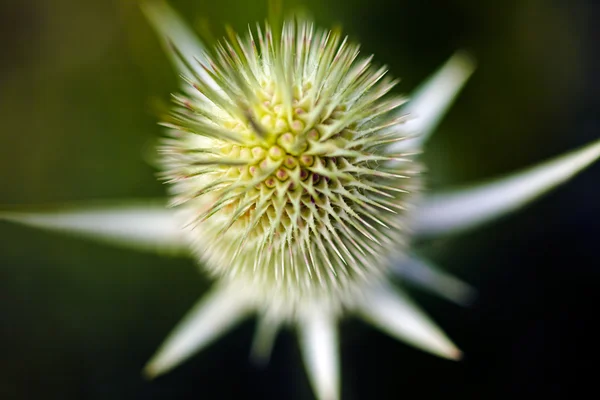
column 280, row 157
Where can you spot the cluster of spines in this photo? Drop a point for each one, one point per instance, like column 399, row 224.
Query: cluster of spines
column 319, row 189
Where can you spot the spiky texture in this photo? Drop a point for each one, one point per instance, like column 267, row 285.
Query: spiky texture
column 280, row 155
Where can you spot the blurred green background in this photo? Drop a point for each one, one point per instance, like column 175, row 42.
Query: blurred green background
column 80, row 83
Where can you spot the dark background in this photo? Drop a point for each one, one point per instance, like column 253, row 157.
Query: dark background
column 79, row 86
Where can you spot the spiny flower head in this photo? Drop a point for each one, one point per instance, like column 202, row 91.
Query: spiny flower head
column 281, row 154
column 284, row 158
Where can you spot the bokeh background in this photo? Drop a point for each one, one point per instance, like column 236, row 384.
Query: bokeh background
column 80, row 83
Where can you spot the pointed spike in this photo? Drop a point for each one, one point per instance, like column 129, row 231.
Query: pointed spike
column 463, row 209
column 212, row 316
column 170, row 27
column 433, row 98
column 394, row 313
column 142, row 225
column 264, row 340
column 319, row 345
column 424, row 274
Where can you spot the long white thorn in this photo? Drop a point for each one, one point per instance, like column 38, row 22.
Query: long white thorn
column 432, row 99
column 212, row 316
column 264, row 340
column 394, row 313
column 424, row 274
column 320, row 349
column 462, row 209
column 142, row 225
column 173, row 31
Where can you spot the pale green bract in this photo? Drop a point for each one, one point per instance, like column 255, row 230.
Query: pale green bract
column 294, row 182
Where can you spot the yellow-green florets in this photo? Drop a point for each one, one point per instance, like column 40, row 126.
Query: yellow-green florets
column 280, row 154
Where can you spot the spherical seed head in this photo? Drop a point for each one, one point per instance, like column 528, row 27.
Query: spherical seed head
column 281, row 157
